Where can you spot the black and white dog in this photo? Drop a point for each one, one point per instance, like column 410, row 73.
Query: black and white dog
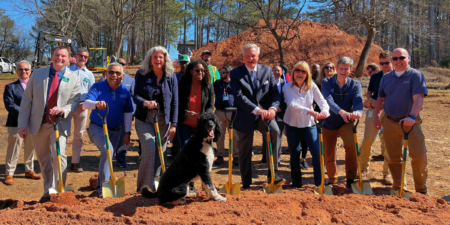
column 193, row 163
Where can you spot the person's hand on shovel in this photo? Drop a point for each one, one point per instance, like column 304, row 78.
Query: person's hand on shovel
column 408, row 121
column 171, row 134
column 56, row 111
column 151, row 104
column 100, row 105
column 22, row 132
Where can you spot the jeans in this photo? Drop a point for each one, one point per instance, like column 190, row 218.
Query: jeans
column 184, row 132
column 98, row 138
column 294, row 137
column 120, row 157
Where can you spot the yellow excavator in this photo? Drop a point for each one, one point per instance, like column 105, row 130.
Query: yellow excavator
column 98, row 59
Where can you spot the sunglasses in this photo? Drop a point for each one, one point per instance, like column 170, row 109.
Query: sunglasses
column 396, row 58
column 84, row 56
column 224, row 72
column 299, row 71
column 123, row 64
column 200, row 71
column 23, row 69
column 111, row 73
column 328, row 67
column 384, row 63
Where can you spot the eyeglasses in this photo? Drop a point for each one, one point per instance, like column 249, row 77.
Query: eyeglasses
column 200, row 71
column 123, row 64
column 84, row 56
column 384, row 63
column 328, row 67
column 299, row 71
column 224, row 72
column 21, row 69
column 111, row 73
column 396, row 58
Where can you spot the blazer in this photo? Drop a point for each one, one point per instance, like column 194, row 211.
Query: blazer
column 245, row 100
column 184, row 96
column 283, row 106
column 35, row 98
column 12, row 96
column 144, row 89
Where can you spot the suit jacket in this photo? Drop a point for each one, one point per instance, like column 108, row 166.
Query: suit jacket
column 245, row 100
column 35, row 98
column 12, row 96
column 184, row 94
column 144, row 90
column 283, row 106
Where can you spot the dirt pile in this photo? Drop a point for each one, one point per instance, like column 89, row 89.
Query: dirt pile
column 299, row 206
column 317, row 43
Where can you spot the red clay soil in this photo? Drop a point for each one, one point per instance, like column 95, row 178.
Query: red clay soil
column 318, row 43
column 299, row 206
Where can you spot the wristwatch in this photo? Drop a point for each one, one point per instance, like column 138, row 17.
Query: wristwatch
column 412, row 116
column 129, row 132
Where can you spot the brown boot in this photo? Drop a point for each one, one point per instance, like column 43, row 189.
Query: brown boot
column 387, row 180
column 32, row 175
column 9, row 180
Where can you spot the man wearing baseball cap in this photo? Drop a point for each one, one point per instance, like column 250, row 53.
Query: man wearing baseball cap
column 184, row 61
column 206, row 56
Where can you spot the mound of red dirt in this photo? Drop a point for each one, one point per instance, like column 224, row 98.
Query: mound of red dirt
column 317, row 43
column 299, row 206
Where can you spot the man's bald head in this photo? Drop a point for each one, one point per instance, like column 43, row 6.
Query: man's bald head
column 402, row 51
column 400, row 59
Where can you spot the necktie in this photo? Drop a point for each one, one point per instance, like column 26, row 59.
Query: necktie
column 52, row 97
column 255, row 81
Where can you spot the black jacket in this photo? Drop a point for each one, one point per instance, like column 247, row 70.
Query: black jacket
column 184, row 92
column 12, row 96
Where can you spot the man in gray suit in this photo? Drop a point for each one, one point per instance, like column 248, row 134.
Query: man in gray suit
column 51, row 91
column 257, row 98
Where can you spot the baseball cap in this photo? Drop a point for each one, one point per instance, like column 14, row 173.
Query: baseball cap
column 206, row 52
column 183, row 58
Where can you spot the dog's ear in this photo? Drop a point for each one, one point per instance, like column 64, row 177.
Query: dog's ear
column 217, row 129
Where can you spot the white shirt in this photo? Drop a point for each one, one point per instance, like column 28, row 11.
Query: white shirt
column 299, row 104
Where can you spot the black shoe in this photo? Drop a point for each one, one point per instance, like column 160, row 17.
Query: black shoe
column 219, row 161
column 235, row 161
column 304, row 165
column 296, row 175
column 75, row 167
column 349, row 183
column 277, row 180
column 44, row 199
column 263, row 160
column 330, row 184
column 245, row 186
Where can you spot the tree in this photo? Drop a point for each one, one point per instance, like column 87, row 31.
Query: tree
column 6, row 32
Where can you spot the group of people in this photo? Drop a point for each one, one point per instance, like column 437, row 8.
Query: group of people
column 290, row 102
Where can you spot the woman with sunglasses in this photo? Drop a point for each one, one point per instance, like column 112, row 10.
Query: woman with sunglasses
column 156, row 89
column 300, row 120
column 328, row 70
column 196, row 94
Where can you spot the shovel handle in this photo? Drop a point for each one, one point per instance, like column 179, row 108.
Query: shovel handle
column 160, row 150
column 231, row 120
column 103, row 117
column 155, row 117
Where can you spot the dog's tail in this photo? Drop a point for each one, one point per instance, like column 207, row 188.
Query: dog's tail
column 147, row 192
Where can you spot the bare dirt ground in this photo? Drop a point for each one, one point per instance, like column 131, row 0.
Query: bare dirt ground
column 254, row 206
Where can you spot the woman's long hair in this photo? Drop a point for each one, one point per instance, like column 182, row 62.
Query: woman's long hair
column 302, row 65
column 147, row 63
column 186, row 79
column 322, row 72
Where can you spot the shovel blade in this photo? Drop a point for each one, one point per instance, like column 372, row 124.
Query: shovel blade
column 61, row 190
column 362, row 188
column 234, row 190
column 118, row 191
column 324, row 190
column 273, row 189
column 406, row 194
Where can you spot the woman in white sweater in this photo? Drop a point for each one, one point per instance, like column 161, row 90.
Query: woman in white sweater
column 300, row 120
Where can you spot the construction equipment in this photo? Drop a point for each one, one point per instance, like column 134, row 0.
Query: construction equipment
column 360, row 187
column 98, row 59
column 44, row 37
column 402, row 192
column 322, row 189
column 61, row 188
column 272, row 187
column 229, row 187
column 160, row 150
column 116, row 186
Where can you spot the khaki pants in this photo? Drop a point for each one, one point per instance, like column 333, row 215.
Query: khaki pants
column 79, row 126
column 224, row 127
column 45, row 145
column 393, row 138
column 329, row 148
column 369, row 137
column 12, row 153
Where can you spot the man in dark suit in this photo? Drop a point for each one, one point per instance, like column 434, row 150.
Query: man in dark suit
column 257, row 99
column 280, row 80
column 12, row 97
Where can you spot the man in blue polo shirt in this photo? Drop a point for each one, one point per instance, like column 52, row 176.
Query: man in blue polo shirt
column 344, row 96
column 80, row 113
column 113, row 93
column 401, row 95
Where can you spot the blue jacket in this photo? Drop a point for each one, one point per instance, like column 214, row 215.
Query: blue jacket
column 349, row 98
column 12, row 96
column 246, row 99
column 144, row 89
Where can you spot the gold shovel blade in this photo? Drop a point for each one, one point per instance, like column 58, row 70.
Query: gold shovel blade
column 273, row 188
column 362, row 188
column 234, row 190
column 406, row 194
column 324, row 190
column 118, row 191
column 61, row 190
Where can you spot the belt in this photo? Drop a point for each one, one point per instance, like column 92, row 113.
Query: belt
column 394, row 118
column 113, row 129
